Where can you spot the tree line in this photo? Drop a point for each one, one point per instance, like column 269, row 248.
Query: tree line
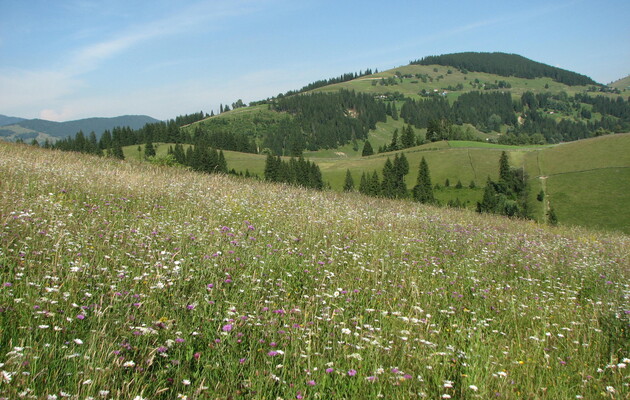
column 490, row 111
column 329, row 120
column 296, row 171
column 392, row 184
column 508, row 195
column 325, row 82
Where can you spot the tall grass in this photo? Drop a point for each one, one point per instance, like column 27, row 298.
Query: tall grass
column 127, row 280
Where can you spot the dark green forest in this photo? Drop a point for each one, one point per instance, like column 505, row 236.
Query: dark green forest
column 506, row 65
column 490, row 111
column 298, row 172
column 328, row 120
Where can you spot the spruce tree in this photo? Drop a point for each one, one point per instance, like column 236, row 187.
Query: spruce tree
column 401, row 168
column 388, row 185
column 374, row 185
column 348, row 185
column 504, row 169
column 394, row 145
column 552, row 218
column 490, row 200
column 408, row 138
column 222, row 164
column 117, row 151
column 271, row 169
column 367, row 149
column 149, row 150
column 423, row 191
column 363, row 184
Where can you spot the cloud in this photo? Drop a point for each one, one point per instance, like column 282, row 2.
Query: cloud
column 24, row 89
column 48, row 89
column 195, row 16
column 52, row 115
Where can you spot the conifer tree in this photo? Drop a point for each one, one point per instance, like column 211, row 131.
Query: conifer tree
column 394, row 145
column 367, row 149
column 179, row 154
column 149, row 150
column 271, row 169
column 222, row 163
column 348, row 185
column 408, row 138
column 388, row 185
column 552, row 218
column 394, row 112
column 374, row 185
column 117, row 151
column 316, row 180
column 504, row 168
column 401, row 168
column 423, row 191
column 106, row 140
column 363, row 184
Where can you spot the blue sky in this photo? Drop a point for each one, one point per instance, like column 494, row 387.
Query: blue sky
column 69, row 59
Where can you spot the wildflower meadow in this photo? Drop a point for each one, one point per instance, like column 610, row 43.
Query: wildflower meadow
column 123, row 280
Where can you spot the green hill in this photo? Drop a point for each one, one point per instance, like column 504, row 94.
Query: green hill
column 544, row 104
column 506, row 65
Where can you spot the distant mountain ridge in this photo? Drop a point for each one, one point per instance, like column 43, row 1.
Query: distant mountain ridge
column 40, row 129
column 7, row 120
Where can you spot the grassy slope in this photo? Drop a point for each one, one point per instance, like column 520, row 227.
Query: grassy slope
column 410, row 88
column 587, row 181
column 14, row 132
column 621, row 84
column 581, row 201
column 106, row 267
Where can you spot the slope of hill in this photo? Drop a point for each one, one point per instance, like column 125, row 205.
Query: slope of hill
column 586, row 182
column 515, row 109
column 621, row 84
column 504, row 64
column 41, row 129
column 165, row 283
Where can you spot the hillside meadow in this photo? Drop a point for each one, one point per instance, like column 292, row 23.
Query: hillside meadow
column 121, row 279
column 438, row 78
column 586, row 181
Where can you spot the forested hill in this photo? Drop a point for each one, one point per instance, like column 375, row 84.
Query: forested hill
column 506, row 65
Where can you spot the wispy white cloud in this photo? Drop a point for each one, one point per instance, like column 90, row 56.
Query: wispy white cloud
column 48, row 88
column 197, row 15
column 51, row 115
